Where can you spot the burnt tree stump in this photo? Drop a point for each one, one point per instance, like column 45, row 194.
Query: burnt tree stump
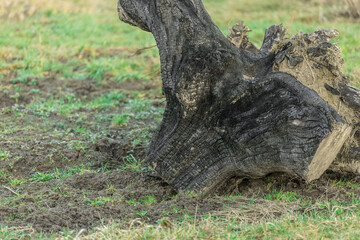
column 237, row 111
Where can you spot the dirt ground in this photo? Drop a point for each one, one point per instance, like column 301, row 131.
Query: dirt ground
column 73, row 141
column 108, row 188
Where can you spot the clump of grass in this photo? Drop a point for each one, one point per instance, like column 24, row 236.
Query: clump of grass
column 42, row 177
column 120, row 120
column 58, row 174
column 16, row 181
column 279, row 195
column 354, row 7
column 16, row 232
column 22, row 9
column 130, row 162
column 142, row 213
column 101, row 201
column 230, row 225
column 148, row 200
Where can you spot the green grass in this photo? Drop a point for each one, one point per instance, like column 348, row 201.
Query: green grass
column 4, row 155
column 101, row 201
column 70, row 44
column 148, row 200
column 329, row 224
column 279, row 195
column 60, row 46
column 58, row 174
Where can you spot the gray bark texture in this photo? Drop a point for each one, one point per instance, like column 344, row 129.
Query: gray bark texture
column 237, row 111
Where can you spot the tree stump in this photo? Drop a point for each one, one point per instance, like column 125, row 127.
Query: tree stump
column 237, row 111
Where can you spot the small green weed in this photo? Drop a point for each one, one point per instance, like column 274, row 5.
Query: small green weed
column 42, row 177
column 142, row 213
column 81, row 130
column 110, row 189
column 130, row 162
column 279, row 195
column 107, row 101
column 121, row 120
column 3, row 175
column 60, row 106
column 96, row 202
column 148, row 200
column 175, row 209
column 103, row 200
column 191, row 194
column 131, row 202
column 69, row 171
column 77, row 145
column 58, row 174
column 4, row 155
column 59, row 189
column 16, row 181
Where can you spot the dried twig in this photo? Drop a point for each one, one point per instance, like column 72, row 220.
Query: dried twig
column 10, row 190
column 139, row 51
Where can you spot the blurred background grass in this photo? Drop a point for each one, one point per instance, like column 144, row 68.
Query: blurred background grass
column 81, row 39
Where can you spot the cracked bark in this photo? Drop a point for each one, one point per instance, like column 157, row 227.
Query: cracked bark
column 236, row 111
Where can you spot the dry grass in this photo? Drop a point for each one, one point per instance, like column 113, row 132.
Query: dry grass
column 353, row 8
column 257, row 210
column 217, row 225
column 22, row 9
column 17, row 232
column 274, row 221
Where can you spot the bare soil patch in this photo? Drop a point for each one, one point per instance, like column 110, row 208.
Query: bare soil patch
column 71, row 203
column 107, row 188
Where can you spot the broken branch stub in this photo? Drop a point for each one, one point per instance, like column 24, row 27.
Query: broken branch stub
column 236, row 111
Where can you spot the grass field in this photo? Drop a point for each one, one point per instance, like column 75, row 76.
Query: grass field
column 80, row 97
